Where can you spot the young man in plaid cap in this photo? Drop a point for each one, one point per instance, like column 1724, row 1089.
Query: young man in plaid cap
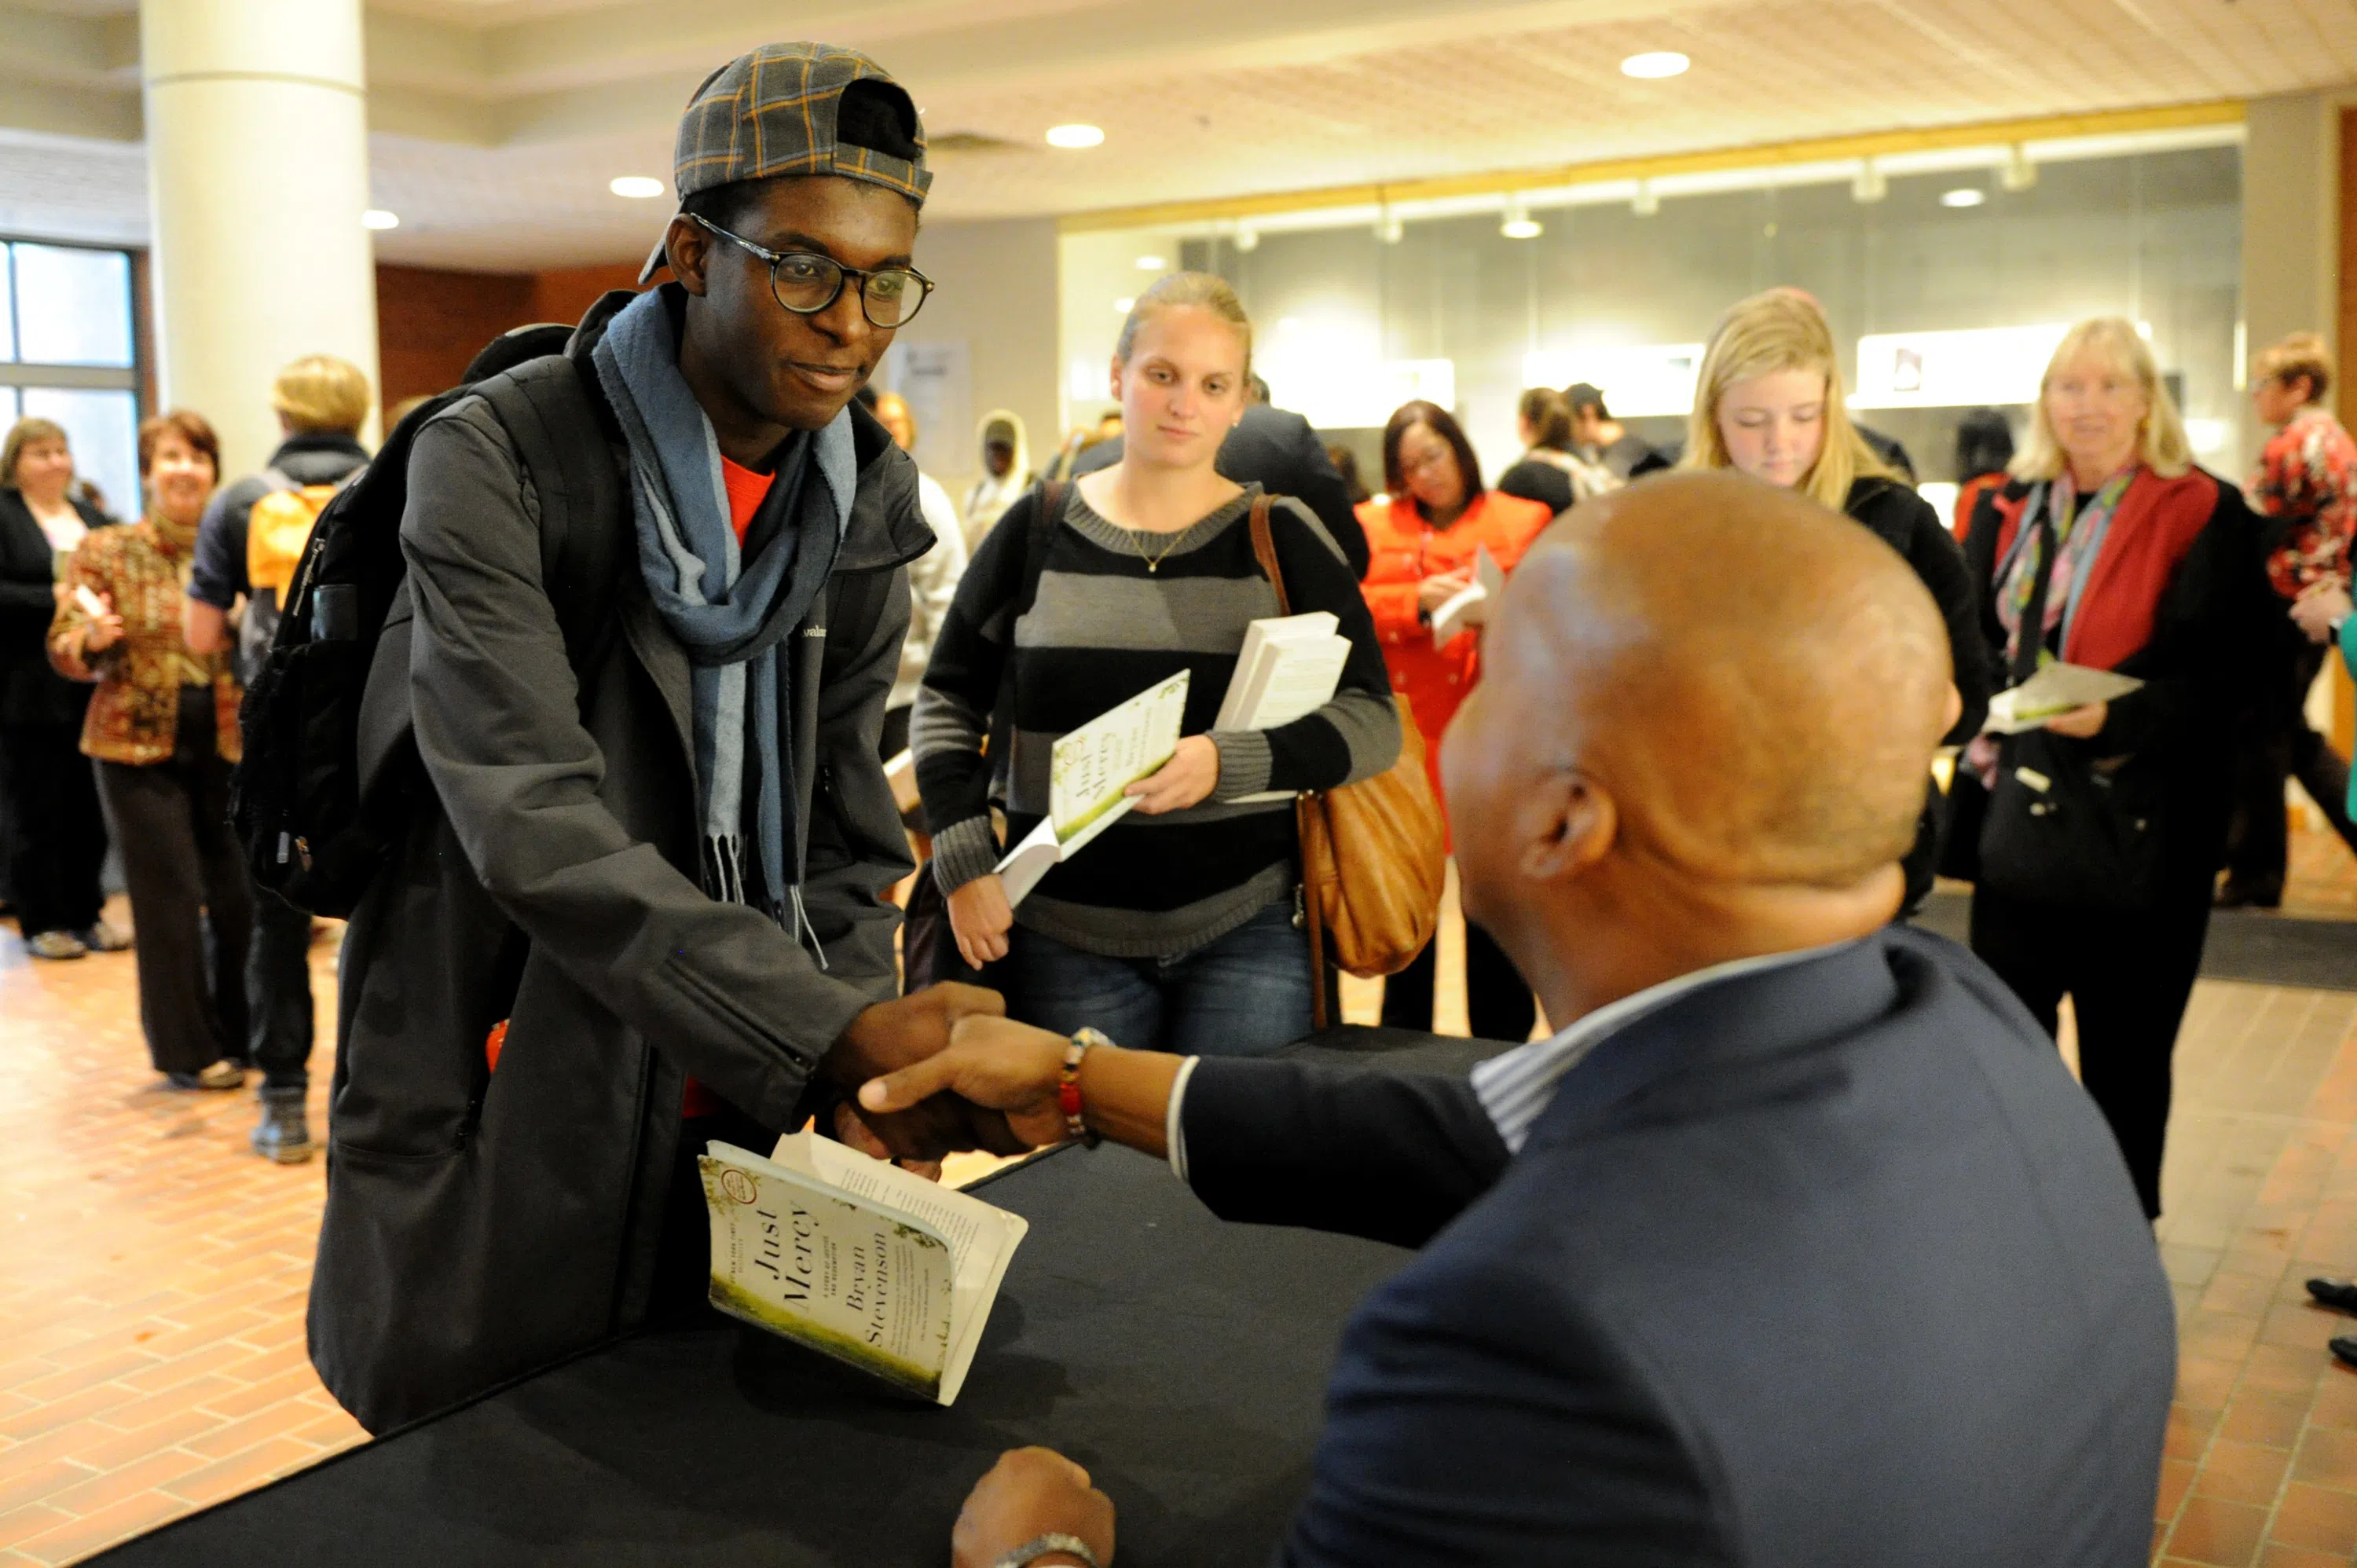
column 655, row 599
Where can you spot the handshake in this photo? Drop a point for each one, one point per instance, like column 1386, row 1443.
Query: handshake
column 944, row 1069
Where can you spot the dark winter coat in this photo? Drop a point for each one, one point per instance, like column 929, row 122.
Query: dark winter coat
column 481, row 1224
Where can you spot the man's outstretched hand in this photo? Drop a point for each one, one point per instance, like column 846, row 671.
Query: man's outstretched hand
column 1030, row 1493
column 893, row 1035
column 1015, row 1069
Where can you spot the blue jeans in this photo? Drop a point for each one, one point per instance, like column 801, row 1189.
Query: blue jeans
column 1243, row 996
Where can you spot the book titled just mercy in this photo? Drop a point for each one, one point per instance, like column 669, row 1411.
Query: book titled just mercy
column 856, row 1259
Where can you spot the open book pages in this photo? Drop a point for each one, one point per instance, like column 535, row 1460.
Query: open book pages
column 2056, row 689
column 1288, row 668
column 1489, row 582
column 1087, row 772
column 856, row 1259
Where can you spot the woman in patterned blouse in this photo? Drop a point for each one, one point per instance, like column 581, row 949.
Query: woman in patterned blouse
column 2305, row 492
column 163, row 726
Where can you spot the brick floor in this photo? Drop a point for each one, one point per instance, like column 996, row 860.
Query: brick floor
column 153, row 1272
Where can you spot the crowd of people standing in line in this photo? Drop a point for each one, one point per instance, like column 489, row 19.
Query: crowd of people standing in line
column 127, row 649
column 2099, row 542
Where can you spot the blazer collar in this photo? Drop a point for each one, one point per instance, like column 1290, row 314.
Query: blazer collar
column 1749, row 1017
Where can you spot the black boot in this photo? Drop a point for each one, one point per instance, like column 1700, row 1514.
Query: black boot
column 284, row 1136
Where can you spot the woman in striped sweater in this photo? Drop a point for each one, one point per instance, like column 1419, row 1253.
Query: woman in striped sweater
column 1175, row 930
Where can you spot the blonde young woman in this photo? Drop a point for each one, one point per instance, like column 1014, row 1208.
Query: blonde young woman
column 1768, row 403
column 1174, row 928
column 2104, row 828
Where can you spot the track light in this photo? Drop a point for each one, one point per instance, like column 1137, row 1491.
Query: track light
column 1247, row 237
column 2019, row 172
column 1870, row 185
column 1389, row 229
column 1519, row 223
column 1646, row 201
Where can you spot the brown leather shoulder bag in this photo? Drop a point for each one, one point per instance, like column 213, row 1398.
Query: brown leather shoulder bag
column 1374, row 853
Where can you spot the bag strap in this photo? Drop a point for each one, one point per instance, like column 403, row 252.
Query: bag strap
column 1312, row 915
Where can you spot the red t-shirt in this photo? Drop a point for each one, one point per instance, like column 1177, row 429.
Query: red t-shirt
column 746, row 491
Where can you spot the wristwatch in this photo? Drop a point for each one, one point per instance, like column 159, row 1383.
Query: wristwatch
column 1039, row 1546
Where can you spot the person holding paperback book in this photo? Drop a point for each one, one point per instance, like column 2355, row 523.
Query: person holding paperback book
column 1424, row 543
column 1175, row 925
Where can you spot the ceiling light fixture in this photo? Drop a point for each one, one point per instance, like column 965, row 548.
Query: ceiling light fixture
column 1646, row 201
column 1152, row 263
column 1124, row 306
column 637, row 186
column 1871, row 184
column 1247, row 237
column 1653, row 65
column 378, row 217
column 1389, row 229
column 1074, row 136
column 2018, row 173
column 1963, row 195
column 1519, row 223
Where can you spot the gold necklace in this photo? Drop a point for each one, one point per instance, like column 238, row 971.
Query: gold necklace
column 1154, row 563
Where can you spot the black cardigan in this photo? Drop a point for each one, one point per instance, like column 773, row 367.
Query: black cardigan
column 30, row 692
column 1905, row 522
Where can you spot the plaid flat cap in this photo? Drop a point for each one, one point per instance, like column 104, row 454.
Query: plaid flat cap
column 773, row 111
column 778, row 111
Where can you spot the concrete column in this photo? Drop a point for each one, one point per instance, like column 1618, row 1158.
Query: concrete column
column 2290, row 228
column 258, row 147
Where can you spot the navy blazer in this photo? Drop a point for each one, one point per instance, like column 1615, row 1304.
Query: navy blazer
column 1831, row 1263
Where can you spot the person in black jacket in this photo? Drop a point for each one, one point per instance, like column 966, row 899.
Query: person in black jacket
column 1797, row 1245
column 51, row 829
column 321, row 403
column 1543, row 472
column 1279, row 452
column 1768, row 402
column 2105, row 827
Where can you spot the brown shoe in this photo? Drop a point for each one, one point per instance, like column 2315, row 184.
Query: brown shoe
column 221, row 1075
column 57, row 945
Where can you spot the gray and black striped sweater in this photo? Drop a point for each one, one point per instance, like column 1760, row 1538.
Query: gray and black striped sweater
column 1101, row 628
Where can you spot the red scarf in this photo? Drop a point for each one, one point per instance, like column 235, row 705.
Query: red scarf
column 2152, row 532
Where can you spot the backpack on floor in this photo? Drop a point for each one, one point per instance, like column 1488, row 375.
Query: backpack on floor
column 310, row 836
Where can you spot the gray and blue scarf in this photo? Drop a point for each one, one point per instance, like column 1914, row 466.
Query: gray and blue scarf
column 730, row 615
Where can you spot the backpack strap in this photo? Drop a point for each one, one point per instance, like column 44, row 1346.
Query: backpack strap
column 553, row 417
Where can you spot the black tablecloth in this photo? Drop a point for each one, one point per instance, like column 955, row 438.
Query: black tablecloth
column 1182, row 1360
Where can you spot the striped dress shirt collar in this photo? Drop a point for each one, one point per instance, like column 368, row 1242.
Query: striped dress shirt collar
column 1516, row 1088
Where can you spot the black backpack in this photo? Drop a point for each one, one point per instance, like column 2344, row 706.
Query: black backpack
column 310, row 837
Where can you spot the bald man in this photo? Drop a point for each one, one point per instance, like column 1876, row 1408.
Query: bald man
column 1797, row 1245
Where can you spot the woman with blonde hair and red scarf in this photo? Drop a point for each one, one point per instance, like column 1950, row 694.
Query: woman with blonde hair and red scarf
column 2110, row 550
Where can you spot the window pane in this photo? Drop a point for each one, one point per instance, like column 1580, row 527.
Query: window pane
column 7, row 407
column 102, row 428
column 7, row 316
column 74, row 307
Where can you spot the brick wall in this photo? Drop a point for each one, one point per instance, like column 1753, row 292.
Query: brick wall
column 431, row 323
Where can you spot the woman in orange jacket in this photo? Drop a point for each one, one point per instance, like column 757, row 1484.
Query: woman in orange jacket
column 1421, row 542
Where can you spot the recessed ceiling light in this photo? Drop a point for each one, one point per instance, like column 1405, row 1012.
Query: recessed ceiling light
column 1655, row 64
column 378, row 217
column 637, row 186
column 1963, row 195
column 1124, row 306
column 1152, row 263
column 1074, row 135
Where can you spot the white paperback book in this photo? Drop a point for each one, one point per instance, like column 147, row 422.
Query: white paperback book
column 1489, row 582
column 2056, row 688
column 1288, row 668
column 1087, row 772
column 856, row 1258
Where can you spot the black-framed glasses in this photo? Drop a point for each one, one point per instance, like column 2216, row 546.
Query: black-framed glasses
column 807, row 283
